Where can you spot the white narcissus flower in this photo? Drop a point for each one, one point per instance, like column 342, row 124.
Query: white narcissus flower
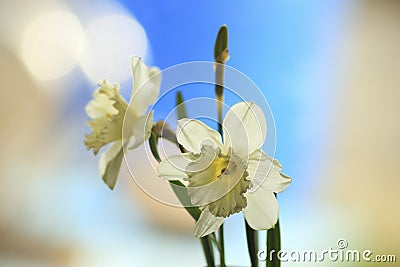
column 107, row 111
column 231, row 176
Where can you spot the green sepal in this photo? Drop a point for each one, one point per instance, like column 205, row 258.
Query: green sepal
column 153, row 142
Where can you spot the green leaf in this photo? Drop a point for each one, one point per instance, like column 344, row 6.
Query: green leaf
column 215, row 241
column 208, row 250
column 179, row 188
column 182, row 194
column 221, row 43
column 180, row 106
column 252, row 244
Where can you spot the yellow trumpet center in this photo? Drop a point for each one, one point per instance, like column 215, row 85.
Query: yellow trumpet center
column 218, row 181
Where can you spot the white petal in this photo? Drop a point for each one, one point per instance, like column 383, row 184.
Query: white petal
column 244, row 128
column 207, row 224
column 206, row 158
column 191, row 133
column 266, row 172
column 262, row 209
column 141, row 129
column 146, row 85
column 110, row 164
column 173, row 168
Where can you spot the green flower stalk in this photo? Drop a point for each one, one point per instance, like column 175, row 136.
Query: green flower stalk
column 221, row 55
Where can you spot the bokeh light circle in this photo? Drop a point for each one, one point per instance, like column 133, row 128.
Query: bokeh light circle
column 52, row 44
column 110, row 41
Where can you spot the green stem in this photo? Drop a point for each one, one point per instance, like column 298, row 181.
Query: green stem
column 252, row 244
column 208, row 251
column 220, row 98
column 219, row 93
column 273, row 244
column 195, row 212
column 221, row 244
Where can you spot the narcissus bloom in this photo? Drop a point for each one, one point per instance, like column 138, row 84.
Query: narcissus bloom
column 107, row 111
column 227, row 177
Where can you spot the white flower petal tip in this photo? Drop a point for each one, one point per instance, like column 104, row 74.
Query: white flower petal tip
column 146, row 85
column 192, row 133
column 284, row 183
column 262, row 210
column 207, row 224
column 134, row 62
column 245, row 127
column 265, row 172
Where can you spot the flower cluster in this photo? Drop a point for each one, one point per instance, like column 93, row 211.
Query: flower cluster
column 224, row 175
column 216, row 174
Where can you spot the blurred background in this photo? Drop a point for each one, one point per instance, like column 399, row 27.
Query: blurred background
column 330, row 71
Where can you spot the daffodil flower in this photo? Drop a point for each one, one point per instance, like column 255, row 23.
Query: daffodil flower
column 113, row 119
column 227, row 177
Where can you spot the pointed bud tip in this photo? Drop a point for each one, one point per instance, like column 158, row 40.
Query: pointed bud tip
column 221, row 44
